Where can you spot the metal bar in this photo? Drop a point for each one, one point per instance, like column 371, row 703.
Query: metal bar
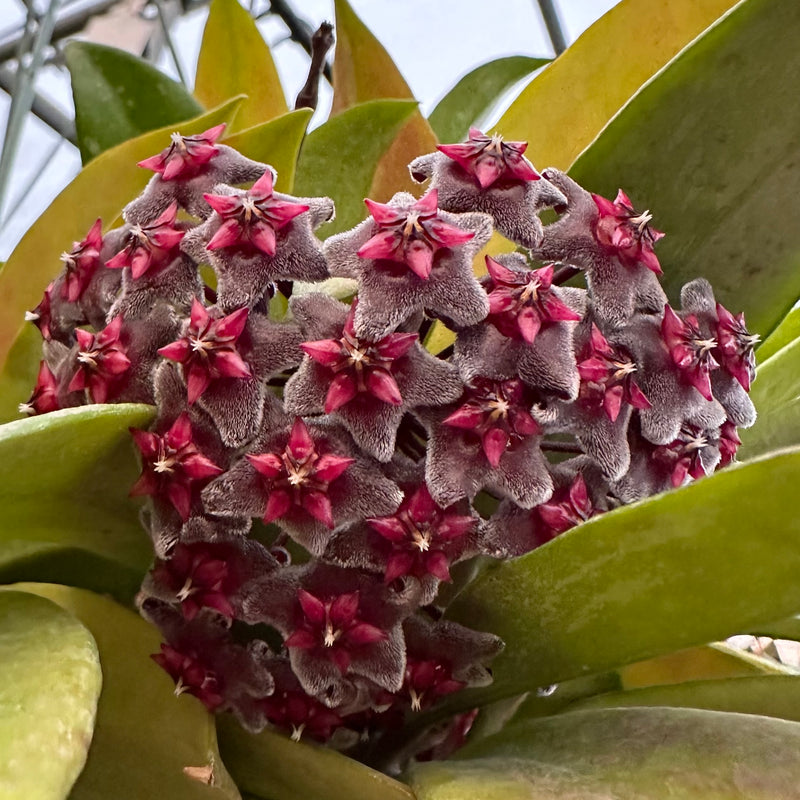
column 162, row 18
column 553, row 25
column 41, row 107
column 71, row 20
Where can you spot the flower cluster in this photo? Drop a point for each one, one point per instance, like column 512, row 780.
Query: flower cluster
column 315, row 476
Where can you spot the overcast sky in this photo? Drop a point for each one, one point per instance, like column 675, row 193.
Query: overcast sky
column 434, row 43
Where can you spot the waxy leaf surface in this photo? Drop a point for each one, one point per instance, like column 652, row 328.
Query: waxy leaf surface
column 564, row 107
column 690, row 566
column 119, row 96
column 50, row 681
column 709, row 147
column 625, row 754
column 144, row 737
column 64, row 484
column 234, row 59
column 271, row 765
column 339, row 158
column 783, row 335
column 476, row 94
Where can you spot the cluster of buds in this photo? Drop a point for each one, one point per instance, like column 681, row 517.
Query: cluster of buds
column 315, row 474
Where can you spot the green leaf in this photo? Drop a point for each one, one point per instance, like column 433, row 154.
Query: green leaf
column 776, row 395
column 144, row 737
column 625, row 754
column 771, row 696
column 586, row 85
column 476, row 93
column 709, row 156
column 276, row 142
column 64, row 488
column 783, row 335
column 50, row 681
column 271, row 765
column 118, row 96
column 101, row 189
column 234, row 59
column 339, row 158
column 691, row 566
column 785, row 629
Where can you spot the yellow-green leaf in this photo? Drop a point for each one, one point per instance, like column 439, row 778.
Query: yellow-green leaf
column 64, row 484
column 101, row 189
column 710, row 146
column 338, row 159
column 569, row 102
column 772, row 696
column 271, row 765
column 690, row 566
column 783, row 335
column 147, row 742
column 50, row 681
column 624, row 754
column 118, row 96
column 476, row 93
column 235, row 59
column 276, row 142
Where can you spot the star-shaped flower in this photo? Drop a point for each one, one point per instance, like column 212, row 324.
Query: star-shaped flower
column 299, row 476
column 366, row 384
column 81, row 263
column 101, row 362
column 255, row 238
column 490, row 175
column 607, row 377
column 292, row 709
column 626, row 232
column 151, row 246
column 496, row 412
column 44, row 397
column 250, row 220
column 207, row 350
column 186, row 155
column 619, row 288
column 190, row 675
column 735, row 350
column 521, row 302
column 567, row 508
column 691, row 351
column 426, row 539
column 172, row 466
column 408, row 257
column 684, row 457
column 729, row 443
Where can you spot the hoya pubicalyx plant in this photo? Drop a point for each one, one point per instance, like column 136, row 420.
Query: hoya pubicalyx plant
column 316, row 476
column 428, row 446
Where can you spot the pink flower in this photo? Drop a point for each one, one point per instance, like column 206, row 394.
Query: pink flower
column 626, row 233
column 690, row 350
column 200, row 577
column 299, row 477
column 101, row 362
column 81, row 263
column 567, row 508
column 42, row 315
column 411, row 236
column 358, row 366
column 186, row 155
column 332, row 628
column 149, row 247
column 683, row 457
column 498, row 412
column 521, row 303
column 425, row 538
column 190, row 675
column 251, row 219
column 735, row 350
column 294, row 710
column 490, row 159
column 426, row 680
column 607, row 377
column 172, row 466
column 729, row 442
column 45, row 393
column 207, row 350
